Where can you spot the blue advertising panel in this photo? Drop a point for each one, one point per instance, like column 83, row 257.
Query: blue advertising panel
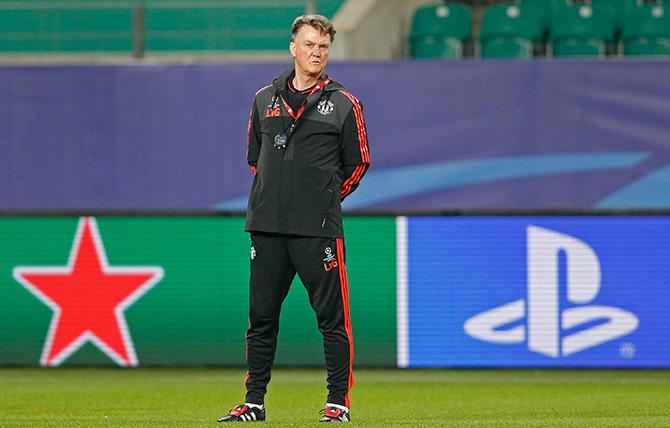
column 538, row 292
column 443, row 134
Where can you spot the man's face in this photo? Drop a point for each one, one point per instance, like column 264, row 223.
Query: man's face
column 310, row 51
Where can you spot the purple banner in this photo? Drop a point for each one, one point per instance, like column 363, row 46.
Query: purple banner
column 443, row 135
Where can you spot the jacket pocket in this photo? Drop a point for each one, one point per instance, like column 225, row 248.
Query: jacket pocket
column 253, row 194
column 328, row 195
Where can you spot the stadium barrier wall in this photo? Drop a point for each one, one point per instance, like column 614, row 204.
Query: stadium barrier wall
column 426, row 291
column 534, row 291
column 194, row 314
column 443, row 135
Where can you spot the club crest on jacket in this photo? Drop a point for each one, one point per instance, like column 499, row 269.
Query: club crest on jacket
column 325, row 107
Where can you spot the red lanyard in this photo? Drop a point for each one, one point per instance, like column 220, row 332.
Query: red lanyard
column 301, row 110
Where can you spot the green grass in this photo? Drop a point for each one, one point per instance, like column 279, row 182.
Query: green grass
column 447, row 398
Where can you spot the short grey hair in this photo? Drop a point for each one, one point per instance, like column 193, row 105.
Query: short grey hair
column 319, row 22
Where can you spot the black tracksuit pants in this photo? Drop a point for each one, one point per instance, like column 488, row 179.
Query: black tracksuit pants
column 275, row 259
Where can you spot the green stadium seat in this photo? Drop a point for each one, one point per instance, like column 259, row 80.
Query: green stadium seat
column 440, row 31
column 548, row 8
column 581, row 31
column 618, row 8
column 552, row 6
column 510, row 31
column 646, row 32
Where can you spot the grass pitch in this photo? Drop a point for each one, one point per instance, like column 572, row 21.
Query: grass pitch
column 381, row 398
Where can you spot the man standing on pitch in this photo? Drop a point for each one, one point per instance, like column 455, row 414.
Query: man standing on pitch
column 308, row 150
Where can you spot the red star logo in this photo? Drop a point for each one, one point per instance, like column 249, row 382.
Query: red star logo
column 88, row 298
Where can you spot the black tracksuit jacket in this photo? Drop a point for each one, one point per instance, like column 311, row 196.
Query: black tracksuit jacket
column 297, row 190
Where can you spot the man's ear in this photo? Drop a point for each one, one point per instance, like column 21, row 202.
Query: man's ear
column 292, row 48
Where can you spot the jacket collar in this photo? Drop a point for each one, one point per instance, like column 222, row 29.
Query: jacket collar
column 280, row 82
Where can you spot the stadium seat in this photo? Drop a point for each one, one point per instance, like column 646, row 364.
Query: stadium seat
column 440, row 31
column 510, row 31
column 549, row 8
column 581, row 31
column 646, row 32
column 618, row 8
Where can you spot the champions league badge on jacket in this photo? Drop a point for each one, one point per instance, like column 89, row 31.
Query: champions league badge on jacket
column 330, row 261
column 325, row 107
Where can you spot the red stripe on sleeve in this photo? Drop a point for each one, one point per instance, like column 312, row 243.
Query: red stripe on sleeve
column 351, row 181
column 360, row 170
column 360, row 125
column 251, row 115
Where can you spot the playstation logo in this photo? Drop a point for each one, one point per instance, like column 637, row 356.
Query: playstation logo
column 545, row 320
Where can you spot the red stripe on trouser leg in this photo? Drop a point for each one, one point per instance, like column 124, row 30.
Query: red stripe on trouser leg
column 344, row 289
column 246, row 356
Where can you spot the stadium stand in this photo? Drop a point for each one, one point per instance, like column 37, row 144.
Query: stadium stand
column 581, row 31
column 195, row 25
column 216, row 28
column 510, row 31
column 26, row 28
column 367, row 29
column 535, row 28
column 441, row 31
column 646, row 32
